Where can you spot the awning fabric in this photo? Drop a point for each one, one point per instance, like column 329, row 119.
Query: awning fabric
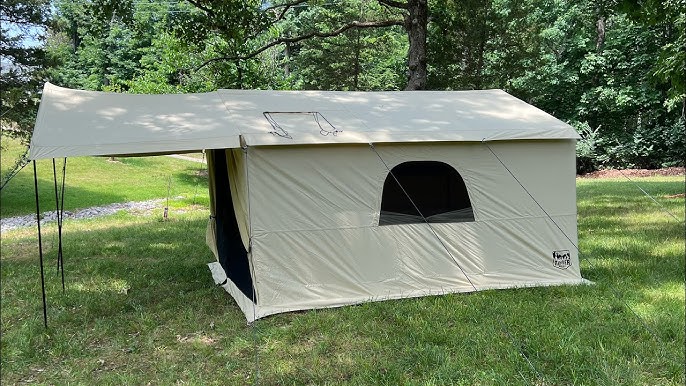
column 79, row 123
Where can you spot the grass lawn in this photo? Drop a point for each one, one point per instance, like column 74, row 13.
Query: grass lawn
column 95, row 181
column 198, row 156
column 141, row 308
column 10, row 151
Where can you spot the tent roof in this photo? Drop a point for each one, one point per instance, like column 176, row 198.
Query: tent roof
column 78, row 123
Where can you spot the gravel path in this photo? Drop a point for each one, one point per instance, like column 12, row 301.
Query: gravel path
column 96, row 211
column 187, row 158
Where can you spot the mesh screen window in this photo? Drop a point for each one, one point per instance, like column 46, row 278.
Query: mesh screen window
column 436, row 188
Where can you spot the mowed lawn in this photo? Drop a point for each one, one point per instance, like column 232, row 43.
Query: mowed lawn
column 92, row 181
column 140, row 306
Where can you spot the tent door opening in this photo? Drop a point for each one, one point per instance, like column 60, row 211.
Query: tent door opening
column 233, row 255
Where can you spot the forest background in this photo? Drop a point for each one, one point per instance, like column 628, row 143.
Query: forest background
column 613, row 69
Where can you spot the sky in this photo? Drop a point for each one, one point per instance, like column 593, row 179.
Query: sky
column 30, row 38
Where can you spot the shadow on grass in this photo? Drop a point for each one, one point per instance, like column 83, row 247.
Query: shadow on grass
column 141, row 299
column 94, row 181
column 644, row 253
column 193, row 177
column 118, row 270
column 627, row 236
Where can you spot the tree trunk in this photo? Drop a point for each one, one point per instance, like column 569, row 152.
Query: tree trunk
column 287, row 56
column 356, row 73
column 478, row 81
column 416, row 22
column 239, row 75
column 600, row 32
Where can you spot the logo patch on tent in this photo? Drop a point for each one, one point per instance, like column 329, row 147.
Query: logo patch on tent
column 562, row 259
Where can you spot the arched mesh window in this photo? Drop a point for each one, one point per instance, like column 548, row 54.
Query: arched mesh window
column 436, row 188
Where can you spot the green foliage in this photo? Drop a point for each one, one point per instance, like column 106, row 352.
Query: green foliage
column 97, row 42
column 586, row 148
column 616, row 67
column 230, row 29
column 595, row 66
column 629, row 105
column 149, row 47
column 369, row 59
column 23, row 60
column 169, row 62
column 458, row 37
column 668, row 17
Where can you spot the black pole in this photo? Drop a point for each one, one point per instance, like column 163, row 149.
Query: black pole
column 61, row 254
column 59, row 212
column 57, row 209
column 40, row 247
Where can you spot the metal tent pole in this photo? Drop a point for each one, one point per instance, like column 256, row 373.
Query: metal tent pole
column 40, row 247
column 61, row 254
column 57, row 208
column 59, row 213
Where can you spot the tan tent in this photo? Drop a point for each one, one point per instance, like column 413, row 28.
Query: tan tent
column 323, row 199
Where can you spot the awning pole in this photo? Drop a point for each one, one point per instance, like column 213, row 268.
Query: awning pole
column 40, row 247
column 57, row 209
column 59, row 213
column 61, row 254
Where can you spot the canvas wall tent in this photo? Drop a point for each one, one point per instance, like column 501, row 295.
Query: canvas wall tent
column 323, row 199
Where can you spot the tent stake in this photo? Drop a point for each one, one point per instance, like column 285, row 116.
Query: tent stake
column 40, row 248
column 165, row 215
column 195, row 193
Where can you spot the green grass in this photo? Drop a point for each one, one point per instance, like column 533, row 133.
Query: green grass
column 10, row 150
column 92, row 181
column 198, row 156
column 140, row 307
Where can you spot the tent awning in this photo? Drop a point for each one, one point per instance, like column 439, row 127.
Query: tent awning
column 78, row 123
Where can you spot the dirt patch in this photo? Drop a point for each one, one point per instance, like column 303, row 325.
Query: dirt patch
column 614, row 173
column 196, row 338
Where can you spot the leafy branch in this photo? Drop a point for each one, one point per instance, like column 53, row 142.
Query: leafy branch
column 316, row 34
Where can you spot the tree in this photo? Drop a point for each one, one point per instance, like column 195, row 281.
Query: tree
column 611, row 73
column 94, row 43
column 611, row 70
column 22, row 58
column 668, row 17
column 245, row 25
column 358, row 59
column 458, row 44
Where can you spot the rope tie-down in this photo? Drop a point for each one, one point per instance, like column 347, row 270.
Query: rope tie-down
column 503, row 327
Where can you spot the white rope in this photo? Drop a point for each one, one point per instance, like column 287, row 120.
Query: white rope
column 651, row 197
column 252, row 272
column 617, row 294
